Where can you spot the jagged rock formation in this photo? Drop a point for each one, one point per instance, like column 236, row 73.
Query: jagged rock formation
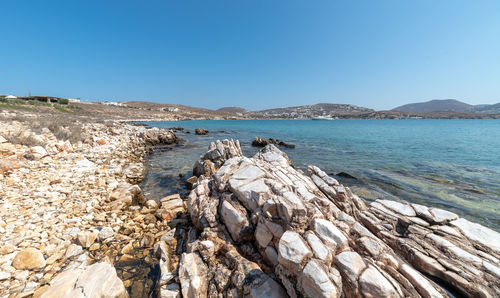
column 215, row 157
column 263, row 228
column 156, row 136
column 201, row 131
column 262, row 142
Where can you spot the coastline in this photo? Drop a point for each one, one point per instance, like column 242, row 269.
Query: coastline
column 65, row 205
column 78, row 209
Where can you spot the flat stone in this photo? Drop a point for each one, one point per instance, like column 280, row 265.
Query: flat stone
column 248, row 174
column 263, row 235
column 152, row 204
column 319, row 249
column 350, row 264
column 251, row 194
column 100, row 280
column 271, row 255
column 29, row 258
column 290, row 206
column 235, row 219
column 170, row 291
column 191, row 182
column 269, row 288
column 86, row 238
column 4, row 275
column 105, row 233
column 442, row 216
column 72, row 251
column 62, row 284
column 373, row 284
column 293, row 252
column 193, row 276
column 7, row 249
column 401, row 208
column 316, row 283
column 423, row 286
column 330, row 234
column 39, row 152
column 478, row 233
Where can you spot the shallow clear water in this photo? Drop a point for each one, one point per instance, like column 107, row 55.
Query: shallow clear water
column 451, row 164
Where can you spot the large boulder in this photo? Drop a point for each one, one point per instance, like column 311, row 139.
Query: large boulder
column 97, row 280
column 156, row 136
column 193, row 276
column 135, row 173
column 201, row 131
column 29, row 258
column 263, row 142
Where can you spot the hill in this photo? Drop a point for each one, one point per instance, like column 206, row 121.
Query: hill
column 436, row 105
column 490, row 109
column 232, row 110
column 308, row 111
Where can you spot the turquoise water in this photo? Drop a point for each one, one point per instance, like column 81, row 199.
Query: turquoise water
column 451, row 164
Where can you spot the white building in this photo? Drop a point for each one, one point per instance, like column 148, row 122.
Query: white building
column 113, row 103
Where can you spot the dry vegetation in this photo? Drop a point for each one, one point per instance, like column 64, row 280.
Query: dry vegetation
column 63, row 128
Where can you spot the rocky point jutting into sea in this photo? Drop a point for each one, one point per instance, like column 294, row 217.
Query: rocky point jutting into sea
column 74, row 223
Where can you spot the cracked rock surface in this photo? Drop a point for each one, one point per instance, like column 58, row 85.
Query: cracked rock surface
column 262, row 228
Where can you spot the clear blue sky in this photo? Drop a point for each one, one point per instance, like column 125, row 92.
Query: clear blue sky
column 253, row 54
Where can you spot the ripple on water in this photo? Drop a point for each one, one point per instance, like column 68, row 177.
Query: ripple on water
column 427, row 162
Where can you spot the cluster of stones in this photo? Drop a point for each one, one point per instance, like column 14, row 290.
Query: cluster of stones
column 264, row 229
column 201, row 131
column 262, row 142
column 70, row 211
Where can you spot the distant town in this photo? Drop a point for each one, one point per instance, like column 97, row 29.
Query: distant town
column 434, row 109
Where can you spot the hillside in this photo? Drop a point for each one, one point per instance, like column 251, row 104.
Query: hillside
column 308, row 111
column 436, row 105
column 232, row 110
column 490, row 109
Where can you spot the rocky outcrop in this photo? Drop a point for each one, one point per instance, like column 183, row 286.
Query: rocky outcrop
column 263, row 228
column 201, row 131
column 262, row 142
column 157, row 136
column 216, row 155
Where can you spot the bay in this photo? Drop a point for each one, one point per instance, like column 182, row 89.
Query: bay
column 450, row 164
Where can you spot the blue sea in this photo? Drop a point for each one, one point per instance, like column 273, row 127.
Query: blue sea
column 450, row 164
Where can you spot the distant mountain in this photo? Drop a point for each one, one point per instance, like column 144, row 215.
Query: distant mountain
column 308, row 111
column 436, row 105
column 232, row 110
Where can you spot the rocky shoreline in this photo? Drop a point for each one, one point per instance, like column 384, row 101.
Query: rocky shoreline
column 66, row 206
column 264, row 229
column 74, row 223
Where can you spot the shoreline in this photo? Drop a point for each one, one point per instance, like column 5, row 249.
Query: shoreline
column 63, row 217
column 75, row 209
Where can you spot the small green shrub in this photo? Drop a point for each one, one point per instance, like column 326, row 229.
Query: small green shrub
column 61, row 109
column 7, row 106
column 63, row 101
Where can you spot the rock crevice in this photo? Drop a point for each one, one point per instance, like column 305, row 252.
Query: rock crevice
column 264, row 228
